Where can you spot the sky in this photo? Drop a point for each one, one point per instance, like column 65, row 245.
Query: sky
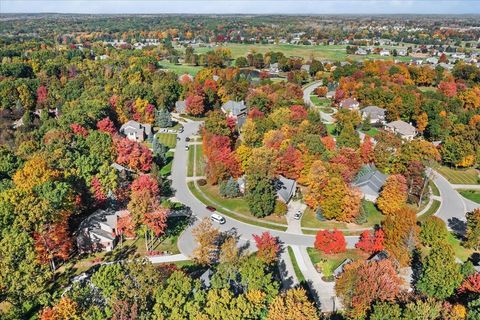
column 244, row 6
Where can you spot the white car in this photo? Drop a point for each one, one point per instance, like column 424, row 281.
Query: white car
column 297, row 215
column 217, row 218
column 186, row 148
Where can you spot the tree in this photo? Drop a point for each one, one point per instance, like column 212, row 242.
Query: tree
column 363, row 283
column 471, row 284
column 268, row 247
column 433, row 229
column 386, row 310
column 430, row 309
column 106, row 125
column 134, row 155
column 316, row 181
column 125, row 226
column 422, row 122
column 66, row 309
column 393, row 195
column 440, row 273
column 53, row 243
column 330, row 242
column 163, row 118
column 473, row 230
column 371, row 243
column 229, row 252
column 9, row 163
column 229, row 188
column 366, row 150
column 260, row 196
column 289, row 163
column 206, row 236
column 293, row 304
column 194, row 105
column 42, row 96
column 348, row 137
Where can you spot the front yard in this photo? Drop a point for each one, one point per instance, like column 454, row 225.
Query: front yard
column 459, row 176
column 473, row 195
column 327, row 263
column 168, row 139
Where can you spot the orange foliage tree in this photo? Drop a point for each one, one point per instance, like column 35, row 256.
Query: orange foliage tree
column 268, row 247
column 393, row 195
column 330, row 242
column 53, row 242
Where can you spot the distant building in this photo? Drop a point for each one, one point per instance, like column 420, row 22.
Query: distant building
column 286, row 188
column 180, row 106
column 432, row 60
column 136, row 131
column 376, row 114
column 330, row 95
column 350, row 103
column 305, row 67
column 237, row 110
column 384, row 53
column 273, row 68
column 403, row 129
column 370, row 181
column 361, row 52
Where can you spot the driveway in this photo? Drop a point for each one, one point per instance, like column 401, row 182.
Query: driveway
column 307, row 91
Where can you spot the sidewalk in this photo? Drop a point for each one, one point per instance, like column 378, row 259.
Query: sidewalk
column 168, row 258
column 289, row 278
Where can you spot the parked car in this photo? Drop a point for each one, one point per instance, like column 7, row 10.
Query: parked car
column 178, row 138
column 180, row 130
column 186, row 148
column 210, row 208
column 297, row 215
column 217, row 218
column 187, row 139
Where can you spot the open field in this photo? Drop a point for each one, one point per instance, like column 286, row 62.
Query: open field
column 180, row 68
column 458, row 176
column 473, row 195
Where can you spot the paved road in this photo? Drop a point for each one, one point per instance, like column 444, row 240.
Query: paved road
column 186, row 242
column 307, row 91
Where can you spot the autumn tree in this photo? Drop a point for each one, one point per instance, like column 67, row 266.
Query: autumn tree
column 194, row 105
column 293, row 304
column 473, row 230
column 134, row 155
column 316, row 180
column 53, row 242
column 366, row 150
column 433, row 230
column 268, row 247
column 206, row 236
column 125, row 226
column 363, row 283
column 106, row 125
column 289, row 163
column 66, row 309
column 393, row 195
column 471, row 284
column 371, row 243
column 348, row 137
column 330, row 242
column 440, row 274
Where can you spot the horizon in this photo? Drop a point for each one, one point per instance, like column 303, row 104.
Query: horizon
column 244, row 7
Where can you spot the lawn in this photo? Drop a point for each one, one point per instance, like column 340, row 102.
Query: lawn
column 321, row 102
column 331, row 129
column 461, row 252
column 372, row 132
column 168, row 139
column 167, row 169
column 374, row 217
column 434, row 188
column 240, row 217
column 179, row 68
column 459, row 176
column 191, row 159
column 327, row 263
column 296, row 268
column 473, row 195
column 200, row 164
column 434, row 207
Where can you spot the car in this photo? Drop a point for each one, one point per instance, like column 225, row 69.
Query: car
column 210, row 208
column 217, row 218
column 180, row 130
column 186, row 148
column 297, row 215
column 187, row 139
column 178, row 138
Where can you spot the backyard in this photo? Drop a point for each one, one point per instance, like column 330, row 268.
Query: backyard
column 459, row 176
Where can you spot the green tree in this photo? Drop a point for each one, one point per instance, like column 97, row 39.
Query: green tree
column 429, row 309
column 386, row 310
column 163, row 118
column 229, row 188
column 441, row 273
column 473, row 230
column 433, row 229
column 348, row 137
column 260, row 196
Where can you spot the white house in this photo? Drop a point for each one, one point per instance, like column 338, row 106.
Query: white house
column 384, row 53
column 376, row 114
column 136, row 131
column 403, row 129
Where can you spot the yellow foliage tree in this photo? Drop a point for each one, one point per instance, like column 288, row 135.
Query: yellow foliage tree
column 34, row 172
column 293, row 304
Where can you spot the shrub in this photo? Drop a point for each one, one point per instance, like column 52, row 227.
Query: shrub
column 280, row 209
column 229, row 188
column 330, row 242
column 321, row 91
column 433, row 229
column 202, row 182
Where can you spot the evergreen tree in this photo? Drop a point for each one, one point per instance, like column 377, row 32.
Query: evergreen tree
column 348, row 137
column 163, row 119
column 367, row 124
column 260, row 196
column 229, row 188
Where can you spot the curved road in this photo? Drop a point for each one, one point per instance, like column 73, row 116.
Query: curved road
column 307, row 91
column 186, row 242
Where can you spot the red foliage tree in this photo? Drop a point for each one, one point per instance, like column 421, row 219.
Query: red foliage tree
column 126, row 225
column 289, row 163
column 254, row 113
column 330, row 242
column 53, row 242
column 329, row 143
column 98, row 194
column 156, row 221
column 471, row 284
column 448, row 88
column 145, row 182
column 371, row 243
column 221, row 160
column 268, row 247
column 106, row 125
column 366, row 150
column 349, row 161
column 42, row 95
column 194, row 105
column 79, row 130
column 339, row 95
column 134, row 155
column 297, row 113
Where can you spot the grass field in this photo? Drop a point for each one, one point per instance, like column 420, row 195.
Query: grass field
column 168, row 139
column 461, row 252
column 322, row 52
column 200, row 164
column 180, row 68
column 309, row 220
column 191, row 159
column 167, row 169
column 257, row 222
column 473, row 195
column 296, row 268
column 329, row 262
column 372, row 132
column 320, row 102
column 434, row 188
column 433, row 208
column 459, row 176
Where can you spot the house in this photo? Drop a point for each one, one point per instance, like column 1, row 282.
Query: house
column 370, row 181
column 350, row 103
column 432, row 60
column 285, row 188
column 330, row 95
column 402, row 53
column 376, row 114
column 180, row 106
column 241, row 184
column 205, row 278
column 339, row 270
column 237, row 110
column 273, row 68
column 361, row 52
column 305, row 67
column 384, row 53
column 136, row 131
column 98, row 231
column 403, row 129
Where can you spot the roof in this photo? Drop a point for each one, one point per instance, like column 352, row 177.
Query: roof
column 349, row 103
column 338, row 270
column 206, row 277
column 94, row 222
column 379, row 256
column 134, row 126
column 369, row 180
column 235, row 108
column 374, row 112
column 285, row 187
column 402, row 127
column 241, row 121
column 180, row 106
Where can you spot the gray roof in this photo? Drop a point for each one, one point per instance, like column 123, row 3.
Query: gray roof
column 285, row 187
column 379, row 256
column 349, row 103
column 180, row 106
column 206, row 277
column 338, row 270
column 241, row 121
column 119, row 167
column 93, row 222
column 235, row 108
column 402, row 127
column 374, row 112
column 134, row 126
column 369, row 180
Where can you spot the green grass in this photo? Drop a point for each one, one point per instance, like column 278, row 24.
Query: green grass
column 331, row 129
column 249, row 220
column 180, row 68
column 329, row 262
column 434, row 188
column 321, row 102
column 191, row 159
column 372, row 132
column 200, row 164
column 431, row 211
column 296, row 268
column 167, row 169
column 473, row 195
column 374, row 217
column 168, row 139
column 461, row 252
column 458, row 176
